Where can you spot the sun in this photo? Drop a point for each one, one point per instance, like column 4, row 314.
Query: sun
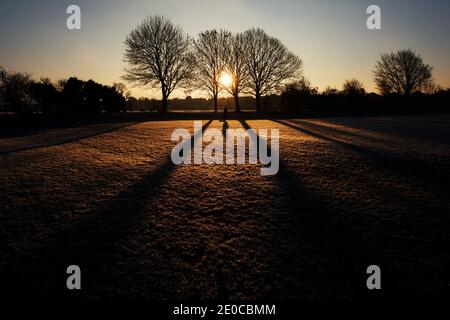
column 226, row 79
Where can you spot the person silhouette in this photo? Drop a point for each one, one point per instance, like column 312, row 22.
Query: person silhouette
column 225, row 112
column 225, row 128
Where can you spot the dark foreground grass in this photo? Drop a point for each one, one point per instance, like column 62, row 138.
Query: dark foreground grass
column 350, row 192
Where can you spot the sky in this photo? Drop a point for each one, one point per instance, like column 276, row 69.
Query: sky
column 330, row 37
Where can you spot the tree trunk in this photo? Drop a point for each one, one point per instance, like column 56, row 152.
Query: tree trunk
column 258, row 101
column 237, row 107
column 164, row 104
column 407, row 98
column 215, row 103
column 164, row 101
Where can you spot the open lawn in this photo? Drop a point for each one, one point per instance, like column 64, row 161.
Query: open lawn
column 350, row 192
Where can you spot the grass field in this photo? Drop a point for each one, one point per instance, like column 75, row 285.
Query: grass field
column 350, row 192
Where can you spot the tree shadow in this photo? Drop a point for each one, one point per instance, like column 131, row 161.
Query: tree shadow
column 420, row 172
column 67, row 140
column 336, row 256
column 94, row 242
column 377, row 241
column 378, row 133
column 339, row 131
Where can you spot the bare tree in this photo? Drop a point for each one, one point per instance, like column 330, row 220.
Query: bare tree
column 297, row 94
column 15, row 91
column 122, row 89
column 236, row 66
column 2, row 88
column 269, row 63
column 158, row 55
column 402, row 72
column 209, row 63
column 353, row 87
column 330, row 91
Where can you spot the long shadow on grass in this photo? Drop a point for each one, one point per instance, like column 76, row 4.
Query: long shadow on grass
column 314, row 248
column 95, row 243
column 404, row 168
column 388, row 135
column 407, row 279
column 67, row 140
column 421, row 172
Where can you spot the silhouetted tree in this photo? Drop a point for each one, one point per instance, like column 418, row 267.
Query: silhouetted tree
column 297, row 95
column 402, row 72
column 354, row 94
column 46, row 96
column 353, row 87
column 158, row 54
column 236, row 66
column 208, row 53
column 113, row 100
column 3, row 106
column 330, row 91
column 330, row 99
column 269, row 64
column 72, row 95
column 93, row 94
column 15, row 91
column 122, row 89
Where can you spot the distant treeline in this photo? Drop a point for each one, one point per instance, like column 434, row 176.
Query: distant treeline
column 296, row 100
column 22, row 95
column 190, row 104
column 300, row 97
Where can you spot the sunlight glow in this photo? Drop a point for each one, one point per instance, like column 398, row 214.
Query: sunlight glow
column 226, row 79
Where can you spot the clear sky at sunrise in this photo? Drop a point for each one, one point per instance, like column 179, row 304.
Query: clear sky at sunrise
column 330, row 36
